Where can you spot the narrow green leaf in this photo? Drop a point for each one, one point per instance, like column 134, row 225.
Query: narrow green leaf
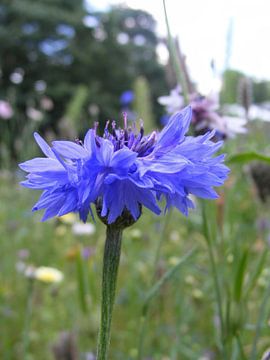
column 166, row 277
column 239, row 277
column 246, row 157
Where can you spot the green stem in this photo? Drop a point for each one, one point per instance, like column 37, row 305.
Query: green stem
column 27, row 319
column 215, row 278
column 180, row 74
column 111, row 260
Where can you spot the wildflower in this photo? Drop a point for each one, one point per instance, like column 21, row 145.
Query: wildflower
column 46, row 103
column 34, row 114
column 83, row 229
column 29, row 271
column 23, row 254
column 87, row 252
column 173, row 102
column 205, row 113
column 68, row 219
column 266, row 355
column 205, row 116
column 6, row 111
column 125, row 170
column 48, row 275
column 126, row 98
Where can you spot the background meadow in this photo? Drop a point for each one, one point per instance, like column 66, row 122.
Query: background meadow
column 63, row 66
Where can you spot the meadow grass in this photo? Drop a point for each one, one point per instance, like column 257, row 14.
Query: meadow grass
column 183, row 321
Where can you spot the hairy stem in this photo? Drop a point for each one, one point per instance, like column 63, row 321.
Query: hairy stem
column 111, row 260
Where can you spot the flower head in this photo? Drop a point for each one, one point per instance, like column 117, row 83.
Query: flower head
column 205, row 113
column 83, row 229
column 126, row 98
column 125, row 170
column 48, row 275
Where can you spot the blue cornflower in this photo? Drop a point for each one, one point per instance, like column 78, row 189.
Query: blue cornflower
column 125, row 170
column 126, row 98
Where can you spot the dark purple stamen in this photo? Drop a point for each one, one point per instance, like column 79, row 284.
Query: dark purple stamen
column 129, row 137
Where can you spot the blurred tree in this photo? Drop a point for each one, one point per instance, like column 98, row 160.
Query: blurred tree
column 51, row 50
column 230, row 85
column 232, row 81
column 261, row 91
column 135, row 31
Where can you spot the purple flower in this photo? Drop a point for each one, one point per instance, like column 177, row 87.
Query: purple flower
column 126, row 170
column 205, row 114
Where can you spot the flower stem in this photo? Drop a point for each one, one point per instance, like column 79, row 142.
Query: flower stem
column 111, row 260
column 180, row 74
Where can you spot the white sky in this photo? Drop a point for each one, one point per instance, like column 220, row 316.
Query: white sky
column 202, row 27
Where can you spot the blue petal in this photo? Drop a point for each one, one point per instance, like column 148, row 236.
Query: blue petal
column 205, row 193
column 47, row 200
column 167, row 164
column 105, row 152
column 123, row 158
column 70, row 204
column 70, row 150
column 40, row 165
column 44, row 146
column 89, row 141
column 174, row 131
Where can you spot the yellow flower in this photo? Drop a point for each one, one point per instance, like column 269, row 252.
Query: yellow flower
column 48, row 275
column 69, row 218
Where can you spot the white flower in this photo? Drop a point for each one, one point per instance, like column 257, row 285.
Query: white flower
column 6, row 111
column 235, row 125
column 83, row 229
column 173, row 102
